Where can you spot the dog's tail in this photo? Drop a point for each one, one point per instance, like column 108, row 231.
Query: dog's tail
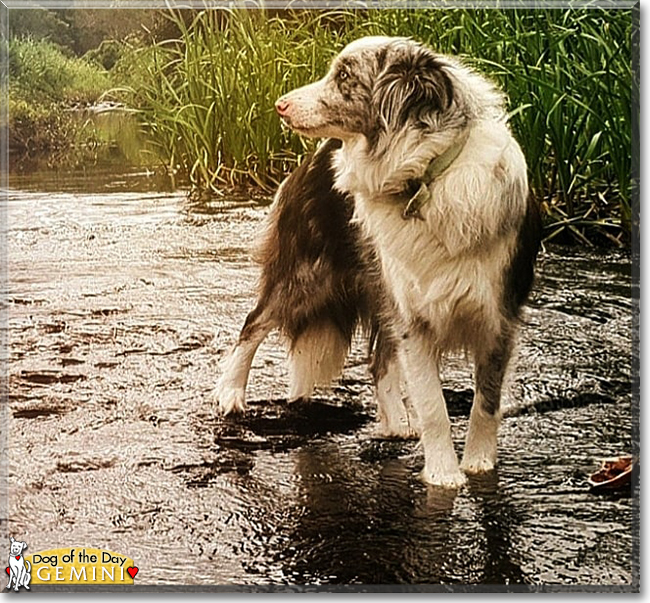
column 316, row 357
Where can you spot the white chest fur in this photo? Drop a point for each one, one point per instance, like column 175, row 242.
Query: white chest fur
column 446, row 270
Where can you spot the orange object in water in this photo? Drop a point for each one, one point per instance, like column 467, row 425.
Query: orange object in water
column 614, row 474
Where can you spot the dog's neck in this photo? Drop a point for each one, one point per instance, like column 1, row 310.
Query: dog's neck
column 362, row 170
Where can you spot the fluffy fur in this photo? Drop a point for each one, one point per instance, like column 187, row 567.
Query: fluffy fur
column 453, row 280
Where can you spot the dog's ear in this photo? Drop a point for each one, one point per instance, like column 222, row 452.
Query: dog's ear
column 413, row 85
column 24, row 546
column 12, row 539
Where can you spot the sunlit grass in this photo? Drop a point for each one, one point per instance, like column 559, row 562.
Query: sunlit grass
column 207, row 98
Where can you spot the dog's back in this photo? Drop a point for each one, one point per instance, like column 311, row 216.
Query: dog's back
column 311, row 255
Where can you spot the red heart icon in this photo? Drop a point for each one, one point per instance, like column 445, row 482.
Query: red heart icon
column 8, row 571
column 132, row 571
column 17, row 557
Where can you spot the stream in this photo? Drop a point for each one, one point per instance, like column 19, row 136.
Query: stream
column 121, row 299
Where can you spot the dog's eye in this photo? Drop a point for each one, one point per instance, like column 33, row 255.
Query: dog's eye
column 342, row 74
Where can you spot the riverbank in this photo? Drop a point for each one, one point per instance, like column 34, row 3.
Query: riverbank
column 203, row 96
column 45, row 85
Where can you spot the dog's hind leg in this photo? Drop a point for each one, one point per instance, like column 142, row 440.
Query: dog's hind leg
column 27, row 576
column 420, row 364
column 316, row 357
column 230, row 391
column 481, row 443
column 395, row 420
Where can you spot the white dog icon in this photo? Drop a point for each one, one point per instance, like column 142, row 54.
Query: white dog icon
column 20, row 574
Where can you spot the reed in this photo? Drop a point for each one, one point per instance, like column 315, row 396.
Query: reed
column 207, row 97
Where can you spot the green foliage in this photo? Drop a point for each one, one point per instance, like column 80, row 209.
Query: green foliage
column 107, row 54
column 207, row 97
column 43, row 83
column 35, row 127
column 39, row 71
column 80, row 30
column 41, row 24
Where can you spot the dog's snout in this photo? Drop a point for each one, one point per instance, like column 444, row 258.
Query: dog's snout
column 282, row 106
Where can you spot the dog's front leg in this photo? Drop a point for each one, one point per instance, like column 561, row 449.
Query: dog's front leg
column 231, row 387
column 19, row 579
column 481, row 444
column 420, row 366
column 25, row 578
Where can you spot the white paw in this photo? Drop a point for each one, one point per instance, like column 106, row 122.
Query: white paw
column 477, row 464
column 230, row 399
column 454, row 479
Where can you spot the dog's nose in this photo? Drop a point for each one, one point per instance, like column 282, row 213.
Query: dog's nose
column 282, row 106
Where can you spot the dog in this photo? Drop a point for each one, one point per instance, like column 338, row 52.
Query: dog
column 18, row 573
column 440, row 198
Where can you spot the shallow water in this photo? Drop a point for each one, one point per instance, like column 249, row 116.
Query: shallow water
column 120, row 305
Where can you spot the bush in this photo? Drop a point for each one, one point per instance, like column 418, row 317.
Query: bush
column 36, row 129
column 107, row 54
column 40, row 71
column 43, row 84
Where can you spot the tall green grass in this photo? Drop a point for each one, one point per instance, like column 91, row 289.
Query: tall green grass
column 207, row 97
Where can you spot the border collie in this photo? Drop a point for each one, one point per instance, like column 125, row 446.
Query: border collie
column 414, row 218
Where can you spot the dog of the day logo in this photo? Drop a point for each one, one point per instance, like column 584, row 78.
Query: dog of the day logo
column 75, row 565
column 19, row 568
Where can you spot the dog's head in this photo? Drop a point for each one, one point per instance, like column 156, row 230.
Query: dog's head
column 17, row 546
column 376, row 85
